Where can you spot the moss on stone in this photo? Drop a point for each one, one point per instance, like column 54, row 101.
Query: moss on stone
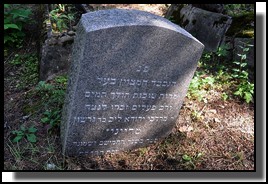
column 240, row 24
column 246, row 34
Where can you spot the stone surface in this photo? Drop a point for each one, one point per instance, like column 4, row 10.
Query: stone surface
column 208, row 27
column 66, row 39
column 218, row 8
column 71, row 33
column 55, row 59
column 129, row 75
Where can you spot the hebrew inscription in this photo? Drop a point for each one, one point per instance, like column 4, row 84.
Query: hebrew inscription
column 130, row 73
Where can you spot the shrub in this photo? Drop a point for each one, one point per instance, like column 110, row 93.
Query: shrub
column 14, row 19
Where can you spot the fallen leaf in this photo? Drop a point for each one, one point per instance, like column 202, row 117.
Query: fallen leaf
column 186, row 129
column 190, row 128
column 213, row 111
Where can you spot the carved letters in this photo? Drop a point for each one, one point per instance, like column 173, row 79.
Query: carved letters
column 123, row 95
column 115, row 131
column 114, row 142
column 96, row 153
column 144, row 112
column 120, row 119
column 104, row 143
column 121, row 107
column 107, row 81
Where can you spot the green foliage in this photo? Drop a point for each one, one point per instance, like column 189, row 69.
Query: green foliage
column 243, row 18
column 44, row 96
column 171, row 19
column 198, row 87
column 240, row 70
column 28, row 69
column 196, row 115
column 236, row 9
column 61, row 16
column 24, row 132
column 43, row 87
column 222, row 75
column 222, row 50
column 52, row 96
column 61, row 80
column 244, row 89
column 213, row 62
column 52, row 117
column 191, row 161
column 17, row 60
column 186, row 158
column 14, row 20
column 143, row 151
column 224, row 96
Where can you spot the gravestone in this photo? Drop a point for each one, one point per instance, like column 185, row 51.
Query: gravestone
column 129, row 75
column 208, row 27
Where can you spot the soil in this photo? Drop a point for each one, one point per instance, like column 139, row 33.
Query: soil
column 219, row 137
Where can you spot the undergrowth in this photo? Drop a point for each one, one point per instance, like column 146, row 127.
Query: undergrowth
column 215, row 73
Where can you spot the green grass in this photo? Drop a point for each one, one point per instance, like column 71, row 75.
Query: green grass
column 48, row 97
column 27, row 65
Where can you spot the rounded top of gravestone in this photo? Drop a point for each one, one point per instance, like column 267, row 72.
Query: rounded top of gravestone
column 104, row 19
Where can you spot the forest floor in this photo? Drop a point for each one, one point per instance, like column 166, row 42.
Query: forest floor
column 213, row 135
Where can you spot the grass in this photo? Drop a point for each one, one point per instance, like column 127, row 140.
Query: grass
column 31, row 148
column 27, row 69
column 23, row 155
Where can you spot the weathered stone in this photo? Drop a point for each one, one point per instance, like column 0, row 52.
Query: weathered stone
column 52, row 41
column 208, row 27
column 75, row 28
column 71, row 33
column 173, row 12
column 129, row 75
column 55, row 60
column 56, row 35
column 217, row 8
column 63, row 34
column 66, row 39
column 81, row 7
column 242, row 26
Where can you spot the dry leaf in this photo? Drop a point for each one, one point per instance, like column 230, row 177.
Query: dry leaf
column 185, row 129
column 213, row 111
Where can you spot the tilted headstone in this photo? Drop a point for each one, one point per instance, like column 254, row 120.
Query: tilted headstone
column 129, row 75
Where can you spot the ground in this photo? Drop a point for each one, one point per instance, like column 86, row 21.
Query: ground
column 215, row 134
